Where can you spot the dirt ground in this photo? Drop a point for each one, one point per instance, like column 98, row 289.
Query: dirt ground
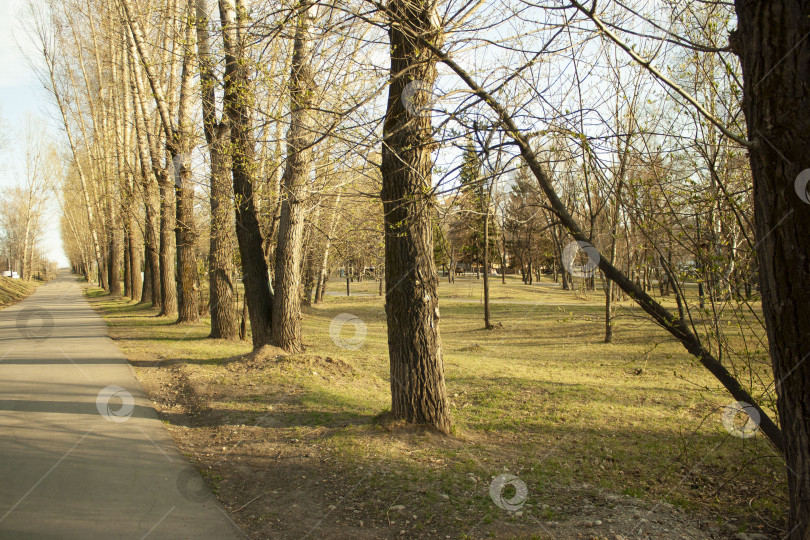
column 281, row 476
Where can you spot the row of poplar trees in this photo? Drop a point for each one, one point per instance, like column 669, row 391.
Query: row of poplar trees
column 136, row 66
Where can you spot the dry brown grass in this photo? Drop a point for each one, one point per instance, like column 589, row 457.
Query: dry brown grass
column 301, row 444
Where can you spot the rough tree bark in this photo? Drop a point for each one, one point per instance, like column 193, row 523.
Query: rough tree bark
column 323, row 274
column 147, row 291
column 115, row 217
column 152, row 276
column 134, row 253
column 418, row 392
column 287, row 299
column 608, row 287
column 487, row 322
column 115, row 252
column 224, row 324
column 134, row 242
column 275, row 182
column 771, row 41
column 662, row 316
column 151, row 286
column 165, row 242
column 127, row 266
column 168, row 286
column 91, row 218
column 308, row 262
column 179, row 143
column 237, row 103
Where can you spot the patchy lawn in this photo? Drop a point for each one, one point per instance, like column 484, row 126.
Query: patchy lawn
column 610, row 441
column 14, row 290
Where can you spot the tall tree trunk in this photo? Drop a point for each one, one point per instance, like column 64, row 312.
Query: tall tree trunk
column 25, row 270
column 662, row 316
column 771, row 41
column 323, row 272
column 91, row 217
column 487, row 322
column 503, row 264
column 237, row 102
column 179, row 147
column 116, row 220
column 608, row 285
column 224, row 323
column 322, row 286
column 418, row 392
column 567, row 284
column 451, row 276
column 114, row 259
column 300, row 137
column 147, row 290
column 127, row 267
column 151, row 289
column 187, row 298
column 152, row 292
column 168, row 288
column 221, row 278
column 162, row 246
column 243, row 321
column 275, row 180
column 310, row 248
column 134, row 243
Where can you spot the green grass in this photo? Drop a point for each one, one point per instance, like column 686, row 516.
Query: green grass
column 14, row 290
column 541, row 397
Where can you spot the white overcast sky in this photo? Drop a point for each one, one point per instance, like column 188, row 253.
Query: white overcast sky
column 21, row 94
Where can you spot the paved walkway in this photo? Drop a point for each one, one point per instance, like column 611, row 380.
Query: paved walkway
column 82, row 452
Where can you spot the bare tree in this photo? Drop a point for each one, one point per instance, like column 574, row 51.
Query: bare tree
column 418, row 391
column 221, row 273
column 287, row 299
column 238, row 95
column 177, row 138
column 770, row 39
column 46, row 42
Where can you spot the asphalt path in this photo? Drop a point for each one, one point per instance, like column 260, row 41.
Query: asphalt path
column 82, row 452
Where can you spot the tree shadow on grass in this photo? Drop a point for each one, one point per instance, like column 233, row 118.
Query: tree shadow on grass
column 219, row 416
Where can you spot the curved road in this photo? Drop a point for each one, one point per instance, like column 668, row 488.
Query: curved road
column 82, row 452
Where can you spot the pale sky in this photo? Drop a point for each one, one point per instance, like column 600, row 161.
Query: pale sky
column 21, row 93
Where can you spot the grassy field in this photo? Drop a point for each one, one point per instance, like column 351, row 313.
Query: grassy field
column 14, row 290
column 609, row 439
